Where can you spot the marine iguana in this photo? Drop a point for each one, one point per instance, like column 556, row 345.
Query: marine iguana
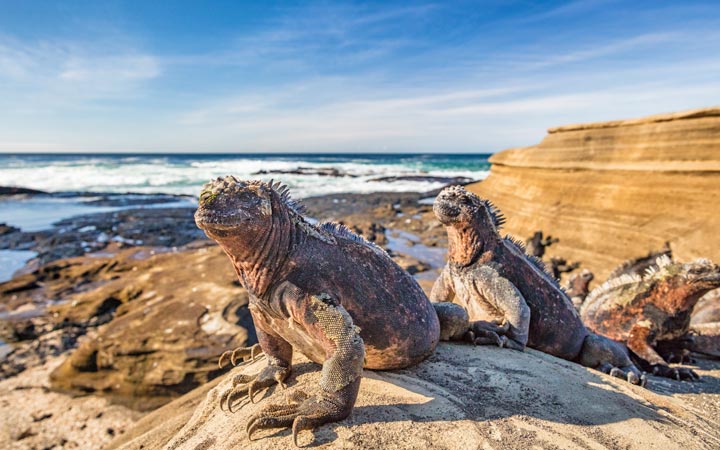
column 578, row 287
column 559, row 266
column 536, row 244
column 651, row 311
column 320, row 290
column 491, row 275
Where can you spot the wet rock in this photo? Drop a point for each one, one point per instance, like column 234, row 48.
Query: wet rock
column 425, row 178
column 322, row 171
column 16, row 190
column 7, row 229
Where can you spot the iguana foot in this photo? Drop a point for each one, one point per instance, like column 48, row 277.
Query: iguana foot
column 679, row 357
column 484, row 338
column 250, row 384
column 512, row 344
column 676, row 373
column 629, row 374
column 242, row 352
column 304, row 412
column 487, row 333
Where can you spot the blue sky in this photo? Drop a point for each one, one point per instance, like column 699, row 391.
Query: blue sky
column 211, row 76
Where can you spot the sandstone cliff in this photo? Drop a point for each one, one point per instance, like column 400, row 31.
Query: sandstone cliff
column 616, row 190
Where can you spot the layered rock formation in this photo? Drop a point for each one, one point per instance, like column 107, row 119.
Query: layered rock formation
column 616, row 190
column 461, row 397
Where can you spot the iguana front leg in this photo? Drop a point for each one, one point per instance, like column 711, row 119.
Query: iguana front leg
column 279, row 355
column 454, row 320
column 327, row 321
column 640, row 342
column 507, row 299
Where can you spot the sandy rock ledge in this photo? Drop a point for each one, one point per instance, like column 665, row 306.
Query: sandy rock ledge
column 462, row 397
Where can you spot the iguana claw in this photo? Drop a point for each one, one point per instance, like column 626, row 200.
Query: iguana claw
column 630, row 374
column 675, row 373
column 302, row 413
column 243, row 352
column 250, row 384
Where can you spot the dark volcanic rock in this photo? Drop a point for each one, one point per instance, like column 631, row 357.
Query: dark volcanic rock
column 15, row 190
column 76, row 236
column 7, row 229
column 322, row 172
column 425, row 178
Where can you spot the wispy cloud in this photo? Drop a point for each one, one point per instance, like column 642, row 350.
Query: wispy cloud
column 54, row 74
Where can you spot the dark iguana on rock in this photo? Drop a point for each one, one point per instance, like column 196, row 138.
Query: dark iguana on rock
column 537, row 244
column 559, row 266
column 651, row 311
column 578, row 287
column 320, row 290
column 493, row 276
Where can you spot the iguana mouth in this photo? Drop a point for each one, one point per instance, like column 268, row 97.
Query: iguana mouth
column 712, row 278
column 445, row 211
column 208, row 219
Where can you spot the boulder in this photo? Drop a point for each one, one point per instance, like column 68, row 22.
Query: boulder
column 461, row 397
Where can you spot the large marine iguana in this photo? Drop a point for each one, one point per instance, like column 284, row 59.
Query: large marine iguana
column 323, row 291
column 491, row 275
column 652, row 311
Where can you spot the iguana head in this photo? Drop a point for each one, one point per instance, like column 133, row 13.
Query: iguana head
column 455, row 206
column 252, row 221
column 472, row 223
column 702, row 274
column 579, row 283
column 227, row 206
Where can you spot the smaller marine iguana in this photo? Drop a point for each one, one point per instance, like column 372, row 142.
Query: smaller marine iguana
column 536, row 244
column 559, row 266
column 578, row 287
column 653, row 311
column 320, row 290
column 493, row 276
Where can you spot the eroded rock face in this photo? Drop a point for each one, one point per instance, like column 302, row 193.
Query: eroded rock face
column 149, row 324
column 614, row 190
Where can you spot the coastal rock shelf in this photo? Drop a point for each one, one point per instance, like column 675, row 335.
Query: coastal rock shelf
column 616, row 190
column 461, row 397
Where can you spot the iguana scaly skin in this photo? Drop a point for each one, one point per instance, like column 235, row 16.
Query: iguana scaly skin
column 320, row 290
column 492, row 276
column 638, row 266
column 646, row 312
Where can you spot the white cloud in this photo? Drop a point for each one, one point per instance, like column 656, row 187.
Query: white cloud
column 43, row 75
column 110, row 69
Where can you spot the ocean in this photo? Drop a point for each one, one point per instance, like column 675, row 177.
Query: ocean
column 185, row 173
